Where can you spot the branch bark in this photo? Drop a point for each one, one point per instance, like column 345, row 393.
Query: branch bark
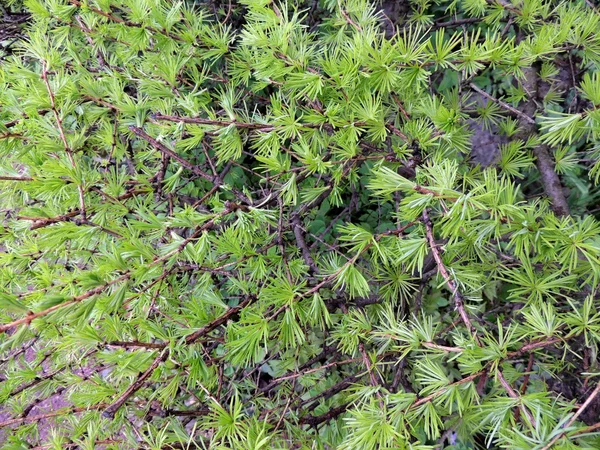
column 458, row 297
column 126, row 276
column 184, row 162
column 111, row 410
column 571, row 421
column 168, row 152
column 513, row 394
column 544, row 162
column 298, row 233
column 137, row 384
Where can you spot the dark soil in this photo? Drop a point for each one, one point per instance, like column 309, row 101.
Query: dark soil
column 11, row 29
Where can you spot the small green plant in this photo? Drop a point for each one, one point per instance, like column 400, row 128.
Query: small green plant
column 265, row 225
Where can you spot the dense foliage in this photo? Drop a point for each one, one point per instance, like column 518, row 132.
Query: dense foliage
column 331, row 224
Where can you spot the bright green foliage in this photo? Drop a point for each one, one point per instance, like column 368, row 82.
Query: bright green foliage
column 264, row 225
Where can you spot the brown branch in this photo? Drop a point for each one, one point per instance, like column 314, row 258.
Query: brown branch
column 591, row 5
column 504, row 105
column 57, row 117
column 457, row 22
column 533, row 346
column 580, row 411
column 32, row 316
column 11, row 135
column 292, row 376
column 37, row 380
column 588, row 429
column 458, row 298
column 397, row 132
column 514, row 394
column 459, row 302
column 328, row 393
column 63, row 137
column 7, row 178
column 350, row 21
column 331, row 277
column 129, row 23
column 12, row 356
column 39, row 417
column 442, row 390
column 369, row 367
column 298, row 233
column 217, row 184
column 544, row 162
column 217, row 123
column 506, row 5
column 217, row 180
column 525, row 349
column 101, row 228
column 197, row 232
column 333, row 413
column 167, row 151
column 528, row 370
column 86, row 31
column 41, row 222
column 110, row 411
column 550, row 180
column 442, row 347
column 251, row 126
column 134, row 344
column 191, row 338
column 14, row 122
column 405, row 113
